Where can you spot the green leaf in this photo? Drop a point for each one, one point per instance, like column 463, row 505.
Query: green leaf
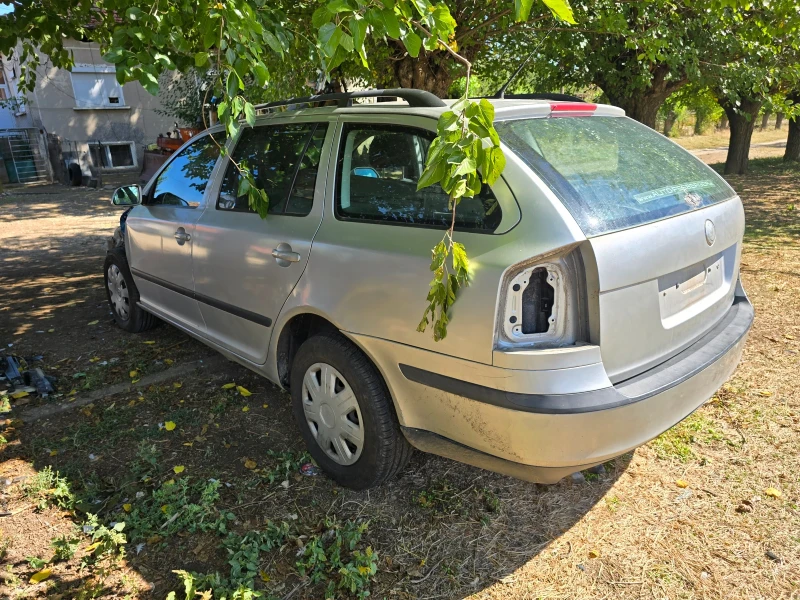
column 391, row 23
column 321, row 16
column 466, row 167
column 200, row 59
column 432, row 174
column 561, row 9
column 133, row 13
column 250, row 114
column 522, row 9
column 115, row 55
column 413, row 43
column 261, row 74
column 358, row 27
column 244, row 186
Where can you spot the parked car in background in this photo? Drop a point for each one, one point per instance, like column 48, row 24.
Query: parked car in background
column 605, row 304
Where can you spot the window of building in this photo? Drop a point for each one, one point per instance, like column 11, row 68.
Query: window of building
column 97, row 90
column 110, row 155
column 283, row 160
column 378, row 170
column 183, row 182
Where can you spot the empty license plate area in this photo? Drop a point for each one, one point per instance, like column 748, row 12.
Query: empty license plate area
column 685, row 293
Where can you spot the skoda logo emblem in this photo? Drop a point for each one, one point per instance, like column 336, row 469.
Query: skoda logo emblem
column 693, row 199
column 711, row 233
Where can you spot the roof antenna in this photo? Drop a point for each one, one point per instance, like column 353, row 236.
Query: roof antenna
column 501, row 93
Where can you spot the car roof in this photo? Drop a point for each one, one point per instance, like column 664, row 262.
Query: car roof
column 511, row 108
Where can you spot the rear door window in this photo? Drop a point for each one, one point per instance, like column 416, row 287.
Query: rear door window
column 613, row 172
column 378, row 170
column 284, row 160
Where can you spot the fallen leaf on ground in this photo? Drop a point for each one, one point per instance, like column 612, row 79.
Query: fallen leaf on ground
column 765, row 393
column 682, row 483
column 40, row 576
column 244, row 391
column 53, row 452
column 51, row 331
column 72, row 392
column 177, row 385
column 126, row 507
column 265, row 406
column 149, row 342
column 133, row 374
column 178, row 469
column 18, row 395
column 168, row 361
column 93, row 360
column 245, row 408
column 169, row 425
column 228, row 386
column 773, row 492
column 264, row 576
column 594, row 553
column 190, row 444
column 93, row 322
column 250, row 464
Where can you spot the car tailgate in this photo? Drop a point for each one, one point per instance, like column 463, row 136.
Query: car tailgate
column 663, row 285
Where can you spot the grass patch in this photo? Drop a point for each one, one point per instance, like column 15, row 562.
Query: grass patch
column 681, row 441
column 47, row 488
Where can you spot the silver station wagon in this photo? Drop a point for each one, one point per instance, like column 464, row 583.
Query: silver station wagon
column 605, row 303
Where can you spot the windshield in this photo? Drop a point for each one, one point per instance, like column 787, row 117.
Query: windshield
column 613, row 172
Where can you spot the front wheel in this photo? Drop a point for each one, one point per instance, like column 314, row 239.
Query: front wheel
column 345, row 413
column 123, row 297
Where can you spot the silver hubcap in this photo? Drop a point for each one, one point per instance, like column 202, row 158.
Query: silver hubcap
column 118, row 291
column 332, row 413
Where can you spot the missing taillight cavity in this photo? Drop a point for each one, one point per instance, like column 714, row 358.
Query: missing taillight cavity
column 537, row 302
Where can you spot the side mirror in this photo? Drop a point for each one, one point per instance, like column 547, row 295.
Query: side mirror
column 127, row 195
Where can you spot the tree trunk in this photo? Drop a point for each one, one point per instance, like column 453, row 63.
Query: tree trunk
column 643, row 105
column 792, row 152
column 765, row 120
column 669, row 121
column 700, row 118
column 779, row 120
column 429, row 72
column 723, row 122
column 742, row 121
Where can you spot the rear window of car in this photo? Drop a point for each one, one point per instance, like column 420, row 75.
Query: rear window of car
column 613, row 173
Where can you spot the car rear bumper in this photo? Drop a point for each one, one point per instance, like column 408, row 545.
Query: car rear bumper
column 544, row 437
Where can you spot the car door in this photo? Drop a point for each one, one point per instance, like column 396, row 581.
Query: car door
column 160, row 232
column 245, row 266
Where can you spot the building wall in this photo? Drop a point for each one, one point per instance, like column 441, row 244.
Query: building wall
column 52, row 107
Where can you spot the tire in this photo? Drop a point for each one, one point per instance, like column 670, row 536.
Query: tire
column 122, row 295
column 75, row 174
column 383, row 451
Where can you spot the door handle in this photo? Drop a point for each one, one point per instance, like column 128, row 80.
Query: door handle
column 284, row 255
column 181, row 236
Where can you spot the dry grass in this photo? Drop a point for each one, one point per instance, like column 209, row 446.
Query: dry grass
column 445, row 530
column 719, row 139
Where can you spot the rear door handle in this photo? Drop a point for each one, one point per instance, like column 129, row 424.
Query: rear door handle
column 284, row 255
column 181, row 236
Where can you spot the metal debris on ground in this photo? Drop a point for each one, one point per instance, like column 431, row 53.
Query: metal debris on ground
column 19, row 380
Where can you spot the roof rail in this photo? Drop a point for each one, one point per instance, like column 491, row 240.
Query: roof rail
column 543, row 96
column 416, row 98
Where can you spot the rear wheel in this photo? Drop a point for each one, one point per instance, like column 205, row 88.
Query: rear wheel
column 345, row 413
column 123, row 297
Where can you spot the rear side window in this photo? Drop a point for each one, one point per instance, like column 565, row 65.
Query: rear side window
column 378, row 170
column 612, row 172
column 284, row 160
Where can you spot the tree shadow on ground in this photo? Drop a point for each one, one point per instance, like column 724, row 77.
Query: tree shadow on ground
column 441, row 529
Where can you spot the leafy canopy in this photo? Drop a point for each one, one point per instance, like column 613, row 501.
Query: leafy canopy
column 237, row 41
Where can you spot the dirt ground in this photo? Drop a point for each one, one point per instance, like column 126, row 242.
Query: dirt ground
column 210, row 477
